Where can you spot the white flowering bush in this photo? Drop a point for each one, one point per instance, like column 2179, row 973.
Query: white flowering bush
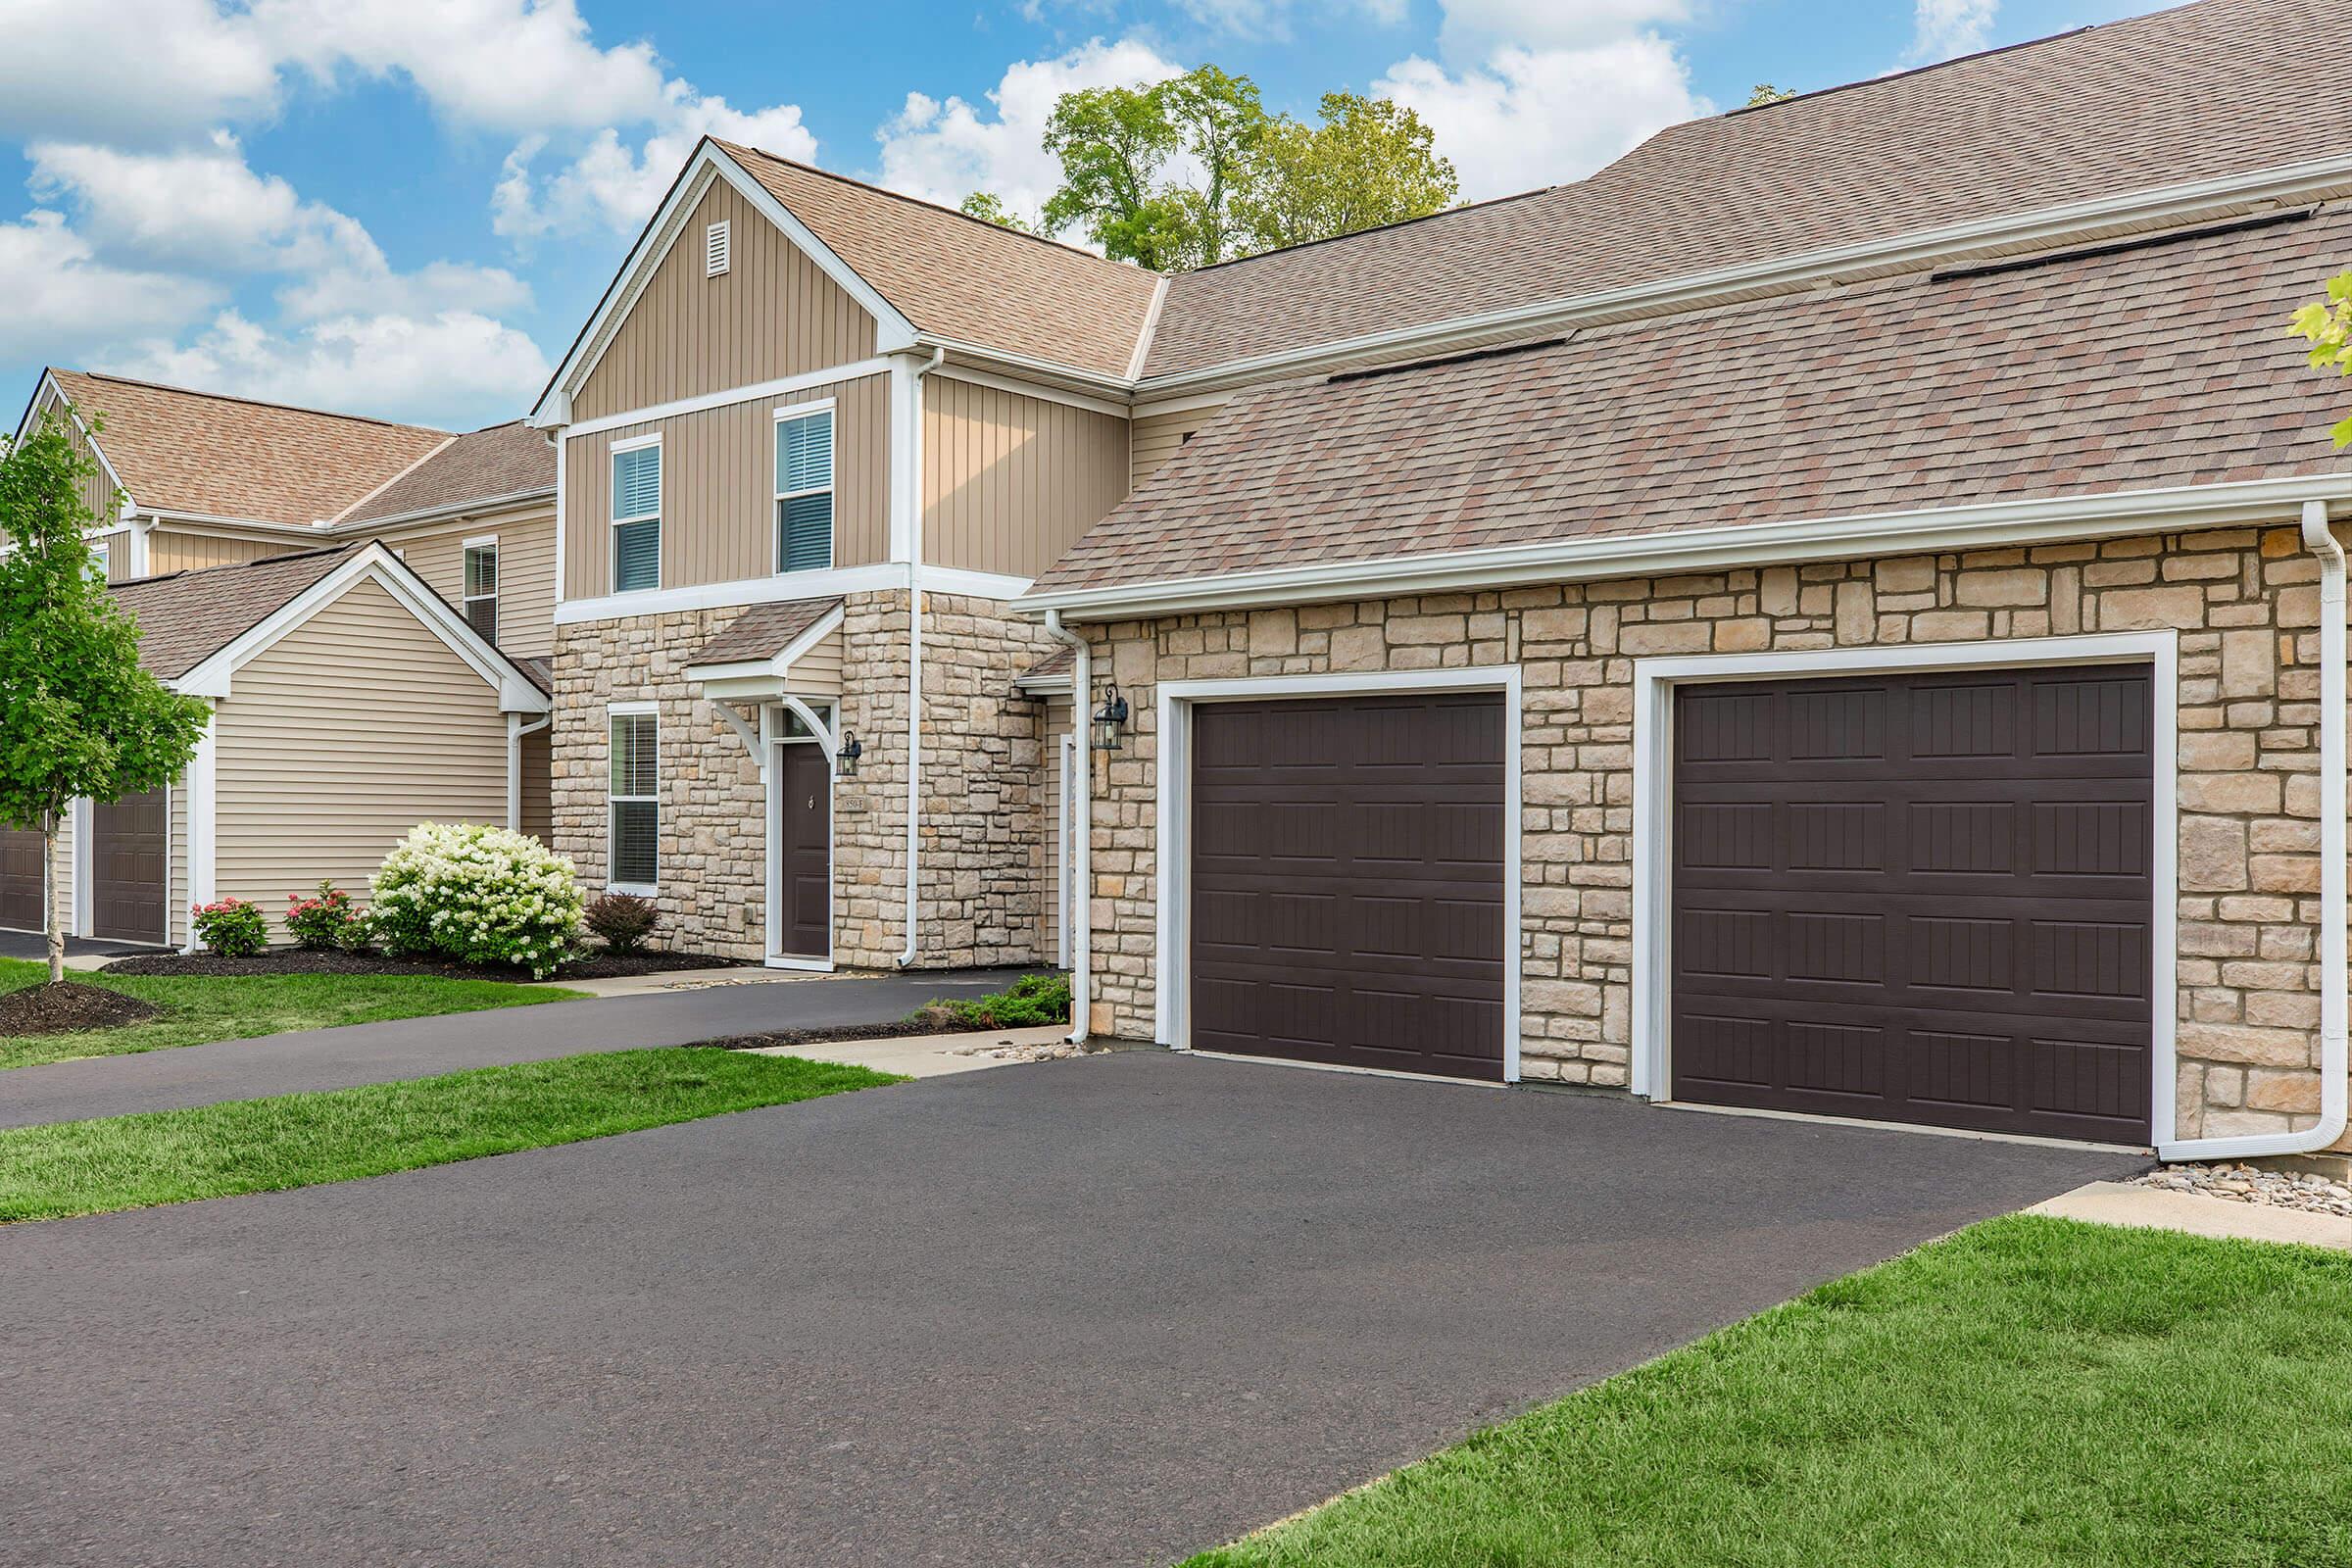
column 477, row 895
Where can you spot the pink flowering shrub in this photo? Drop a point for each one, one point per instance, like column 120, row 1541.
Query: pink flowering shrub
column 325, row 919
column 232, row 928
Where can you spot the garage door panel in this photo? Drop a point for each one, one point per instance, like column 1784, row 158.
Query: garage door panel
column 1950, row 922
column 1383, row 949
column 20, row 879
column 128, row 840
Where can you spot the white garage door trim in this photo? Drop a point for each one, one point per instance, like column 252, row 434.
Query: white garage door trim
column 1654, row 683
column 1172, row 811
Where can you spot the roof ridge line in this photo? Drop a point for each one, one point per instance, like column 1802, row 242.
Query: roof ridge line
column 446, row 443
column 249, row 402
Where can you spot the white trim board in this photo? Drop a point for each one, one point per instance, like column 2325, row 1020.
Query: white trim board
column 1655, row 681
column 758, row 391
column 1035, row 389
column 880, row 577
column 1172, row 822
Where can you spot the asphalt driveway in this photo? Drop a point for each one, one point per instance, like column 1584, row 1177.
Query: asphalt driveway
column 418, row 1048
column 1100, row 1311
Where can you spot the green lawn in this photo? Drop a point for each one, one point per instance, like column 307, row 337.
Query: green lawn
column 260, row 1145
column 2030, row 1391
column 238, row 1007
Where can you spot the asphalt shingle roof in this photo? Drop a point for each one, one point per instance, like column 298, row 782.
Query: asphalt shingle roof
column 505, row 460
column 187, row 617
column 764, row 630
column 2162, row 366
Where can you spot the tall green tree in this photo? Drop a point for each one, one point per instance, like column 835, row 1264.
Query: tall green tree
column 1370, row 162
column 2328, row 326
column 1118, row 146
column 78, row 717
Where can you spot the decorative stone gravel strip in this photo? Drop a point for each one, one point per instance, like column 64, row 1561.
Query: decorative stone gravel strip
column 2244, row 1184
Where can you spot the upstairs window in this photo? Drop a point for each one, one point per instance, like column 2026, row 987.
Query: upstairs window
column 98, row 571
column 637, row 516
column 804, row 488
column 481, row 587
column 718, row 249
column 635, row 792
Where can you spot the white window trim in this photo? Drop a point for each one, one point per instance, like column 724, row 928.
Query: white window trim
column 1654, row 683
column 633, row 710
column 1172, row 816
column 777, row 419
column 466, row 600
column 635, row 443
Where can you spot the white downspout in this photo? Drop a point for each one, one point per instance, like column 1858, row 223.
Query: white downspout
column 2334, row 1004
column 1082, row 890
column 914, row 646
column 516, row 729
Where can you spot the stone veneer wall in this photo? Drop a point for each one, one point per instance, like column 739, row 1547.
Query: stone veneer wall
column 983, row 828
column 2246, row 605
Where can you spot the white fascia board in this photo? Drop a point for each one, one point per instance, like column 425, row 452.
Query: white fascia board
column 1032, row 389
column 1029, row 367
column 876, row 577
column 854, row 370
column 736, row 672
column 1042, row 685
column 1995, row 525
column 215, row 676
column 2008, row 232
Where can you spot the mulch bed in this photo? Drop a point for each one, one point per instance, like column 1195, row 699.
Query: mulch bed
column 334, row 960
column 922, row 1023
column 68, row 1007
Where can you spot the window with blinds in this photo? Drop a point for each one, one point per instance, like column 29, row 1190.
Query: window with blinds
column 804, row 491
column 634, row 859
column 637, row 517
column 480, row 598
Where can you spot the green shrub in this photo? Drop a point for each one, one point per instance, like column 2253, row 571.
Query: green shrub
column 325, row 920
column 1032, row 999
column 477, row 895
column 623, row 919
column 232, row 928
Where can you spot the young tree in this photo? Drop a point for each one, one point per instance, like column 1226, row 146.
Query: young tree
column 78, row 717
column 2328, row 326
column 1116, row 145
column 1370, row 162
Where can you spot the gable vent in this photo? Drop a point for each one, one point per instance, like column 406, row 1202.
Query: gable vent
column 717, row 249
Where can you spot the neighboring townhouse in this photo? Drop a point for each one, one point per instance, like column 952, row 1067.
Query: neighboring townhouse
column 814, row 439
column 193, row 482
column 1839, row 613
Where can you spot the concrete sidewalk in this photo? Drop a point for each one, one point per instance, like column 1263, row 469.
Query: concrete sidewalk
column 418, row 1048
column 2196, row 1214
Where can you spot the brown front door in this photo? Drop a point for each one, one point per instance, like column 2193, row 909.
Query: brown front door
column 20, row 879
column 1925, row 899
column 806, row 842
column 1347, row 881
column 126, row 868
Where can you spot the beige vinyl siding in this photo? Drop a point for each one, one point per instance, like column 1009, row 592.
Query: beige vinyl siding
column 98, row 491
column 538, row 778
column 527, row 570
column 339, row 738
column 1010, row 482
column 170, row 550
column 772, row 313
column 818, row 672
column 1156, row 438
column 116, row 542
column 718, row 489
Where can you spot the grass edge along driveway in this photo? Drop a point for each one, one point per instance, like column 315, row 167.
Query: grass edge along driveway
column 2030, row 1390
column 202, row 1009
column 61, row 1169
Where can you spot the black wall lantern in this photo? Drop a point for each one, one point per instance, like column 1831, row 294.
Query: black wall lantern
column 1110, row 720
column 847, row 756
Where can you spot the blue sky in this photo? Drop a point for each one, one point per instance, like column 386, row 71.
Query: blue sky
column 407, row 210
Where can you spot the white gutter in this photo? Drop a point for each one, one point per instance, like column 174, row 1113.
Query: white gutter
column 1080, row 918
column 2334, row 1004
column 914, row 647
column 1667, row 552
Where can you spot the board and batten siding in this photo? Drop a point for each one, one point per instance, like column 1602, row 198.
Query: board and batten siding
column 1009, row 482
column 116, row 542
column 527, row 570
column 772, row 313
column 97, row 491
column 1157, row 436
column 538, row 788
column 340, row 737
column 1058, row 711
column 175, row 863
column 168, row 550
column 718, row 488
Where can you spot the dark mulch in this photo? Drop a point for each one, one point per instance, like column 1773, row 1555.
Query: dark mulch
column 925, row 1022
column 68, row 1007
column 334, row 960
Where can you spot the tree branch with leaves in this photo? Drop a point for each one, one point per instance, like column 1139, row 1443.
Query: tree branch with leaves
column 2328, row 327
column 78, row 717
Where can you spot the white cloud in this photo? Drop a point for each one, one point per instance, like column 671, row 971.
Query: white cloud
column 1530, row 118
column 1473, row 28
column 943, row 152
column 456, row 368
column 133, row 71
column 1943, row 28
column 61, row 299
column 1271, row 19
column 613, row 185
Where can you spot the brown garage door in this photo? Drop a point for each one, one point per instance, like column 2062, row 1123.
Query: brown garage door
column 20, row 879
column 1347, row 902
column 126, row 868
column 1922, row 900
